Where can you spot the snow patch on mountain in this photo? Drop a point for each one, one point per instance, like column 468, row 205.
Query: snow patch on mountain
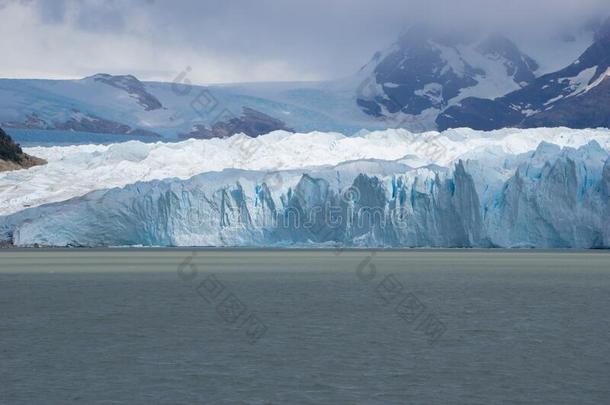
column 577, row 84
column 605, row 75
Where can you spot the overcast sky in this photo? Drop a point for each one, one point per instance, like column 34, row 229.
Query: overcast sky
column 240, row 40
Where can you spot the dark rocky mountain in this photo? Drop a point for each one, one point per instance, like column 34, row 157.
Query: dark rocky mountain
column 12, row 156
column 577, row 96
column 427, row 70
column 252, row 123
column 582, row 111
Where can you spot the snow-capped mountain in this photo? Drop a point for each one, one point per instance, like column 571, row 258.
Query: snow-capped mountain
column 509, row 188
column 424, row 72
column 428, row 79
column 577, row 96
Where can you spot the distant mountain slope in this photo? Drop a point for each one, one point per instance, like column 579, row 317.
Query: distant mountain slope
column 90, row 105
column 428, row 79
column 577, row 96
column 123, row 105
column 133, row 87
column 251, row 123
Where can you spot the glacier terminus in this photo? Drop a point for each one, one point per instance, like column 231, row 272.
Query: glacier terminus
column 513, row 188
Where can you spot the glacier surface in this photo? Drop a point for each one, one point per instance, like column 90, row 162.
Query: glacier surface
column 458, row 188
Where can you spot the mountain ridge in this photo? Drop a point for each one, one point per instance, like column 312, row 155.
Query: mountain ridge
column 426, row 80
column 576, row 96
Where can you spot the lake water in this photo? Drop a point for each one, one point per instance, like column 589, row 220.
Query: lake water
column 304, row 327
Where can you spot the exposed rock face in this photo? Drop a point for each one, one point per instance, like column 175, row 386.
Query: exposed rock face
column 133, row 87
column 588, row 110
column 576, row 97
column 9, row 150
column 403, row 75
column 252, row 123
column 12, row 156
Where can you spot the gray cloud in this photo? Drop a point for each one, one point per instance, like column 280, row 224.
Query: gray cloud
column 242, row 40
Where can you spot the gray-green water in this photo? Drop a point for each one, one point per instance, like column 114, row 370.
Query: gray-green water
column 125, row 327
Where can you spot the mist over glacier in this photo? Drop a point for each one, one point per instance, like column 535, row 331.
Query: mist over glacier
column 458, row 188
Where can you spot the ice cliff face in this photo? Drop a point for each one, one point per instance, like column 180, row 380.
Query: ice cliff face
column 551, row 196
column 559, row 200
column 238, row 208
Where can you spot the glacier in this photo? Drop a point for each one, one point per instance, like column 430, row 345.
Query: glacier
column 75, row 170
column 539, row 188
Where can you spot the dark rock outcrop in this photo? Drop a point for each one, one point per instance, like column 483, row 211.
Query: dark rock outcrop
column 12, row 156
